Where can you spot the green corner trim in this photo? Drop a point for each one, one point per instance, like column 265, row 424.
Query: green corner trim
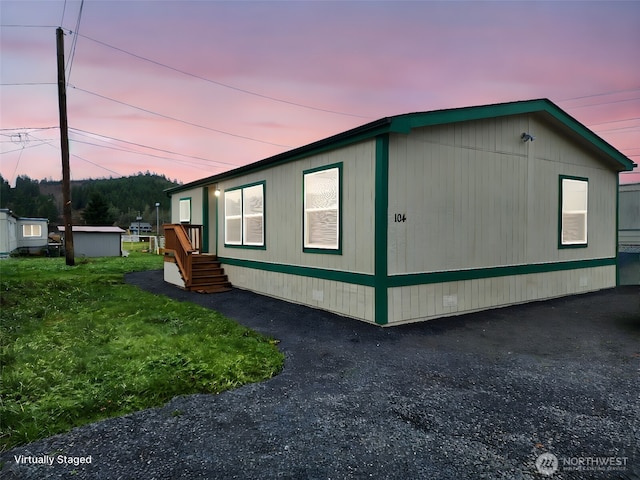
column 205, row 219
column 490, row 272
column 381, row 203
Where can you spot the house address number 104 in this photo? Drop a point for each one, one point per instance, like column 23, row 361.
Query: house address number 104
column 399, row 217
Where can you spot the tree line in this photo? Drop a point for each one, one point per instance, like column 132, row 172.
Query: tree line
column 109, row 201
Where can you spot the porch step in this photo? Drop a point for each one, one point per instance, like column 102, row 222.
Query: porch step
column 207, row 275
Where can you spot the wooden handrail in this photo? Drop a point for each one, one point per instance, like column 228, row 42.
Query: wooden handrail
column 184, row 240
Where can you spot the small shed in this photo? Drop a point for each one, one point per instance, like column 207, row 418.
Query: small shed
column 417, row 216
column 96, row 241
column 22, row 234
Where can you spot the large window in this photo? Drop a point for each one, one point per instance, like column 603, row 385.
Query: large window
column 322, row 209
column 31, row 230
column 574, row 201
column 244, row 216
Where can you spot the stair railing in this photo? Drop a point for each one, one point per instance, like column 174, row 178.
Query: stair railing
column 183, row 240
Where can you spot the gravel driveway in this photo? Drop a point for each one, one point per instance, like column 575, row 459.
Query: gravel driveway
column 478, row 396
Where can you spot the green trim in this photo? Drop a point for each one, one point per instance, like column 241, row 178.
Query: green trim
column 560, row 195
column 617, row 230
column 404, row 123
column 336, row 275
column 190, row 210
column 264, row 216
column 381, row 207
column 395, row 281
column 491, row 272
column 217, row 220
column 327, row 251
column 205, row 219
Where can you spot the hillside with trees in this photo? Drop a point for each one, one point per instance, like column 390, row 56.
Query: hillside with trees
column 109, row 201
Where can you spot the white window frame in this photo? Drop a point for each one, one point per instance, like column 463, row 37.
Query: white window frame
column 184, row 210
column 573, row 204
column 244, row 192
column 308, row 175
column 31, row 230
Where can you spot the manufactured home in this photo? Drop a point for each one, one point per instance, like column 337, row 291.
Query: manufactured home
column 413, row 217
column 22, row 235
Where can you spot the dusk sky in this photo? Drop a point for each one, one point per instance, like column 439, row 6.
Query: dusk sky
column 189, row 89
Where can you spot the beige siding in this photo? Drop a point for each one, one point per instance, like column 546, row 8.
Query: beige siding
column 196, row 205
column 346, row 299
column 424, row 302
column 476, row 196
column 283, row 205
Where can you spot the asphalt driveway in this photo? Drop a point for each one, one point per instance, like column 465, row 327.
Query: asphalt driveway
column 478, row 396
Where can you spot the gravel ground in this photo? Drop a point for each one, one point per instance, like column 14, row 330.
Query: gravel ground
column 470, row 397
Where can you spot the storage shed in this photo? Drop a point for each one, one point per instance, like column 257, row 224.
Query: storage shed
column 22, row 234
column 416, row 216
column 96, row 241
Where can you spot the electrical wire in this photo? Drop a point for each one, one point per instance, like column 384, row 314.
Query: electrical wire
column 242, row 90
column 179, row 120
column 76, row 130
column 74, row 42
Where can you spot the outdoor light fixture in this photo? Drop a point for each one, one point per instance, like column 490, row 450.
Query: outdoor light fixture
column 526, row 137
column 217, row 192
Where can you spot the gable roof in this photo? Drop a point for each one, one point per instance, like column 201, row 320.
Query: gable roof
column 405, row 122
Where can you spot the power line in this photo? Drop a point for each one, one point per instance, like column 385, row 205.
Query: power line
column 179, row 120
column 75, row 130
column 26, row 83
column 600, row 94
column 603, row 103
column 248, row 92
column 74, row 42
column 142, row 153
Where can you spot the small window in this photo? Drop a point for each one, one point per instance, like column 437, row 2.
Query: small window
column 244, row 216
column 31, row 230
column 322, row 209
column 574, row 201
column 185, row 210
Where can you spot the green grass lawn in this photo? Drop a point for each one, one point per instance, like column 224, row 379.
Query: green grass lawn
column 78, row 345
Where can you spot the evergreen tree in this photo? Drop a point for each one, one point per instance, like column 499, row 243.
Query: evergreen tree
column 97, row 211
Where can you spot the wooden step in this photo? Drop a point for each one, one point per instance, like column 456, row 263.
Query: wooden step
column 207, row 275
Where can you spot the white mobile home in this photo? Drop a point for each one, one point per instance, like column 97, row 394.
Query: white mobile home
column 22, row 234
column 415, row 216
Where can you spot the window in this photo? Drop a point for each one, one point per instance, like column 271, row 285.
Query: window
column 244, row 216
column 573, row 211
column 185, row 210
column 31, row 230
column 322, row 189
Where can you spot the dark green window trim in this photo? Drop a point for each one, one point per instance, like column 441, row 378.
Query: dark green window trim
column 180, row 220
column 560, row 193
column 328, row 251
column 264, row 216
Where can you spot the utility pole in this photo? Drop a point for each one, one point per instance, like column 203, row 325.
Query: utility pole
column 64, row 147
